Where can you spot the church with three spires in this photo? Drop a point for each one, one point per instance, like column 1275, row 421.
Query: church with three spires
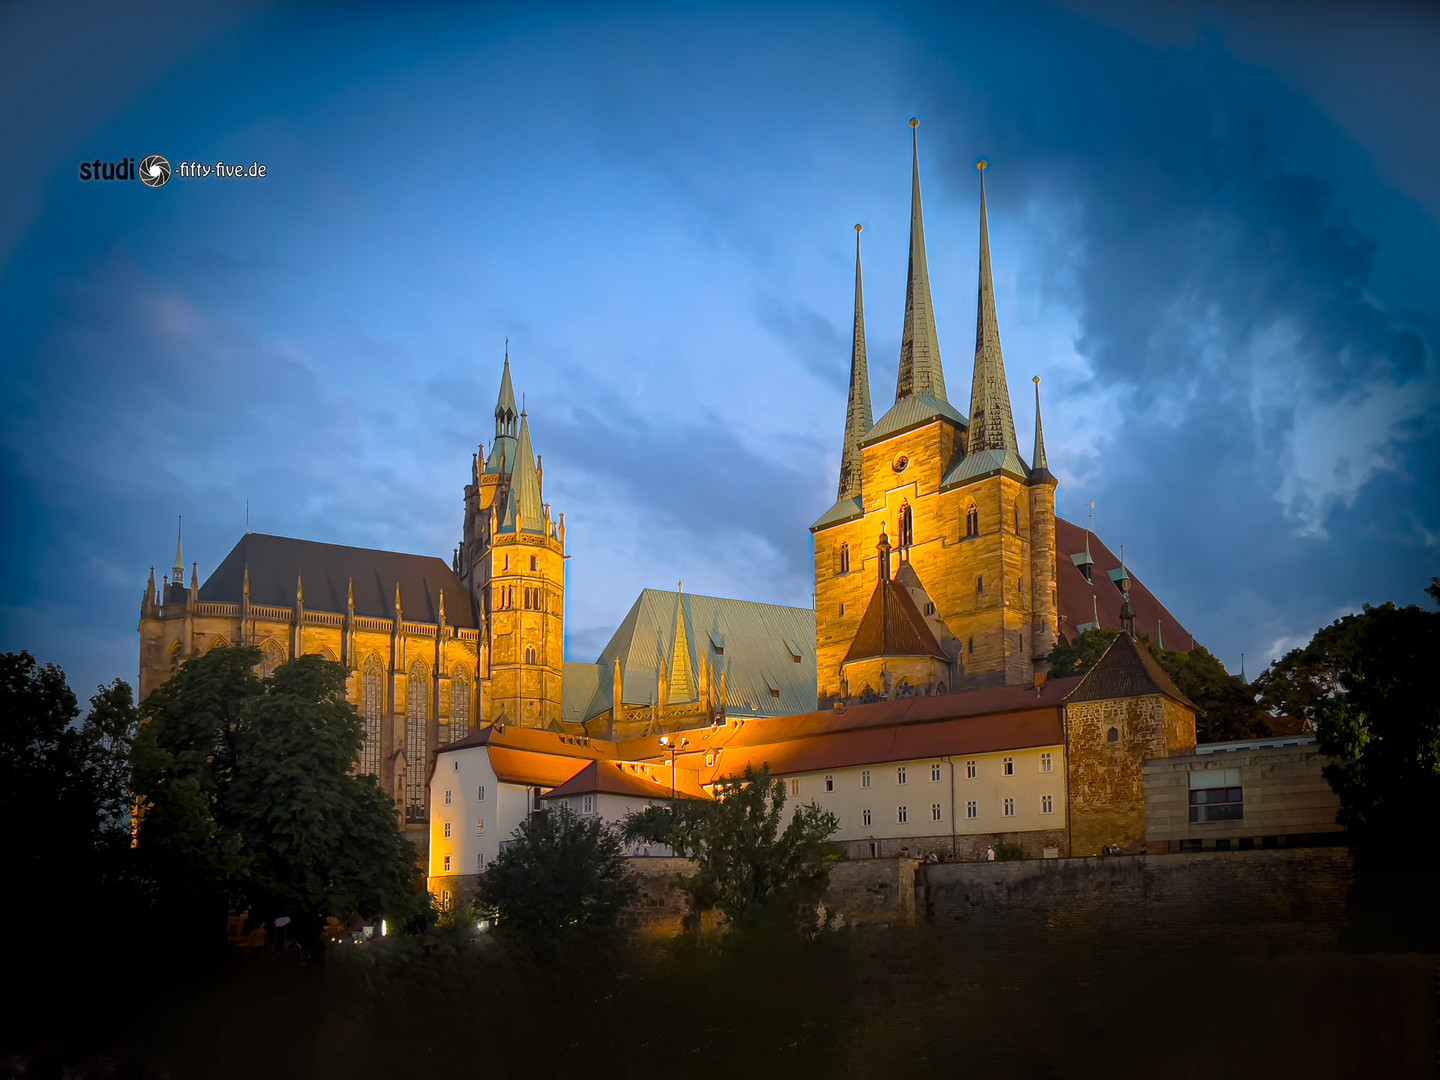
column 941, row 569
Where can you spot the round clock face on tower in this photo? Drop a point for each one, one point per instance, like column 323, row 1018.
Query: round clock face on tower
column 899, row 463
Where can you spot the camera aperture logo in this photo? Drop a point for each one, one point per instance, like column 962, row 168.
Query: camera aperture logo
column 155, row 170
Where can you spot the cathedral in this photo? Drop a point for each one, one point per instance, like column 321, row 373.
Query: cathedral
column 941, row 572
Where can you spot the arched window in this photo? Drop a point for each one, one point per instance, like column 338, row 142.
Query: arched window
column 417, row 724
column 907, row 526
column 531, row 656
column 459, row 706
column 271, row 657
column 972, row 521
column 1113, row 735
column 372, row 708
column 844, row 558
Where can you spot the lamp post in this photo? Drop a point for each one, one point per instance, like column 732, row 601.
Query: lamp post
column 674, row 747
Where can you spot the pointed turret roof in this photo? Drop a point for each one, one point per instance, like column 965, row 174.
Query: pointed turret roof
column 502, row 450
column 920, row 370
column 920, row 388
column 1039, row 469
column 178, row 576
column 681, row 667
column 992, row 427
column 505, row 407
column 524, row 487
column 858, row 419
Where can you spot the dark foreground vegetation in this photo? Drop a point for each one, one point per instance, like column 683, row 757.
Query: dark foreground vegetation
column 1015, row 998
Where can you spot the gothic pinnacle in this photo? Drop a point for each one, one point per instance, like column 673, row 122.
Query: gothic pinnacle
column 920, row 370
column 858, row 419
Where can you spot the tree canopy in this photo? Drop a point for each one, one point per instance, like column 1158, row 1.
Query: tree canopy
column 246, row 799
column 1363, row 682
column 750, row 867
column 561, row 877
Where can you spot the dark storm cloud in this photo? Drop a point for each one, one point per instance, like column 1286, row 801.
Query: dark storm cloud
column 817, row 343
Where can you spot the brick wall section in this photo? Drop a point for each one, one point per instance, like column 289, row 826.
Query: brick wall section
column 658, row 910
column 1227, row 893
column 873, row 890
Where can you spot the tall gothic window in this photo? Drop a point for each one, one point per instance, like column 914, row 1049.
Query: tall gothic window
column 271, row 657
column 417, row 723
column 972, row 521
column 844, row 558
column 907, row 526
column 459, row 706
column 372, row 708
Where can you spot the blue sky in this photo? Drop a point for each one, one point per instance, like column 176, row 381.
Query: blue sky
column 1216, row 234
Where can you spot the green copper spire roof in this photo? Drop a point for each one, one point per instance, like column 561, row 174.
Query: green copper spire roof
column 992, row 427
column 920, row 370
column 1039, row 468
column 525, row 495
column 858, row 419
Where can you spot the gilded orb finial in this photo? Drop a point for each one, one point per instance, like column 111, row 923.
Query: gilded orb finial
column 981, row 164
column 1037, row 380
column 914, row 121
column 859, row 227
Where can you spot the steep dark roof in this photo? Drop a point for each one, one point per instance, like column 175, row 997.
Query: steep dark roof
column 1126, row 670
column 1080, row 599
column 892, row 626
column 276, row 562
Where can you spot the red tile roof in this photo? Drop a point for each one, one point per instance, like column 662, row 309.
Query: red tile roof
column 531, row 769
column 1079, row 599
column 1126, row 670
column 629, row 778
column 892, row 626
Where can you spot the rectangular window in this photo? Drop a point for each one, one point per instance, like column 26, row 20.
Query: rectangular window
column 456, row 763
column 447, row 796
column 1045, row 764
column 447, row 864
column 865, row 818
column 1216, row 795
column 588, row 806
column 1007, row 766
column 795, row 786
column 874, row 849
column 480, row 861
column 970, row 770
column 864, row 777
column 447, row 830
column 1047, row 804
column 481, row 794
column 1009, row 807
column 829, row 783
column 934, row 773
column 534, row 562
column 842, row 611
column 480, row 826
column 902, row 814
column 900, row 775
column 972, row 810
column 935, row 811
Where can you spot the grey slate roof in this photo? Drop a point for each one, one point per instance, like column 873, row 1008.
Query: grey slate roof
column 276, row 562
column 1126, row 670
column 992, row 427
column 910, row 412
column 858, row 418
column 920, row 369
column 761, row 645
column 844, row 510
column 983, row 463
column 524, row 495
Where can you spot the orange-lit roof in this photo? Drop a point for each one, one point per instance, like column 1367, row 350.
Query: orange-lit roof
column 525, row 767
column 629, row 778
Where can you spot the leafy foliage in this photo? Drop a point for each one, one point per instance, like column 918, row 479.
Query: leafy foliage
column 1363, row 682
column 247, row 799
column 749, row 868
column 562, row 877
column 1080, row 655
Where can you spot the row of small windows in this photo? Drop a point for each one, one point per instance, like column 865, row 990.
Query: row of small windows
column 972, row 811
column 937, row 772
column 450, row 796
column 532, row 598
column 445, row 893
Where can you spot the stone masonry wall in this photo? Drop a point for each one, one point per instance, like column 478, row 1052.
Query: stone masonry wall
column 1299, row 890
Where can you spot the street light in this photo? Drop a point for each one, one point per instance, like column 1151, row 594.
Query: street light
column 674, row 747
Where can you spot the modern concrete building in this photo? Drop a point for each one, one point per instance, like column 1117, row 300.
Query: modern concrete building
column 1240, row 795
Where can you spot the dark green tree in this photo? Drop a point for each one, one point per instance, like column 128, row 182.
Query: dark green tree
column 752, row 869
column 1363, row 682
column 1080, row 655
column 247, row 801
column 561, row 878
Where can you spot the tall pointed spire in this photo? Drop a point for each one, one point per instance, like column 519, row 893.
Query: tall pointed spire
column 682, row 672
column 920, row 370
column 992, row 427
column 525, row 486
column 1039, row 467
column 505, row 410
column 178, row 574
column 858, row 419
